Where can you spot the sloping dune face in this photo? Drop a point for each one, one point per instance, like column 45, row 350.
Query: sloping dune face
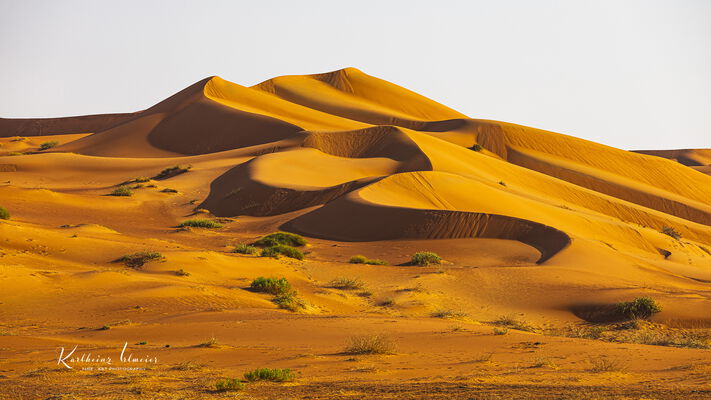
column 358, row 158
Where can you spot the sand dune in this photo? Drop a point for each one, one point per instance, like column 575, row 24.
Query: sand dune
column 529, row 221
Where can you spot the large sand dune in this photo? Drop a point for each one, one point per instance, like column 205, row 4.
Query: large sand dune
column 529, row 221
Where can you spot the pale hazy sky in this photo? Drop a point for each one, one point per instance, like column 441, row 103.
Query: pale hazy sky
column 631, row 74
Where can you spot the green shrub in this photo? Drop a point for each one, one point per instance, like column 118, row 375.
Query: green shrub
column 476, row 147
column 245, row 249
column 370, row 344
column 275, row 251
column 122, row 191
column 424, row 258
column 200, row 223
column 137, row 260
column 273, row 286
column 641, row 307
column 449, row 314
column 281, row 238
column 228, row 384
column 48, row 145
column 347, row 283
column 182, row 272
column 172, row 171
column 500, row 331
column 267, row 374
column 4, row 214
column 289, row 301
column 364, row 260
column 513, row 323
column 669, row 231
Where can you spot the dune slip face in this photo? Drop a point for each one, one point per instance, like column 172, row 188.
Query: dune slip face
column 418, row 222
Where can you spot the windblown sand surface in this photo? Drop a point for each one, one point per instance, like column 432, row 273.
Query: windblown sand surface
column 536, row 226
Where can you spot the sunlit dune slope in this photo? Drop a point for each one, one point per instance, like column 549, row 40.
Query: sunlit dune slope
column 349, row 151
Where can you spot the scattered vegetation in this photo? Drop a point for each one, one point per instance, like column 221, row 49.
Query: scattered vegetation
column 141, row 179
column 347, row 283
column 276, row 251
column 281, row 238
column 289, row 301
column 641, row 307
column 269, row 374
column 388, row 302
column 229, row 384
column 245, row 249
column 48, row 145
column 476, row 147
column 501, row 331
column 137, row 260
column 200, row 223
column 4, row 214
column 105, row 328
column 169, row 190
column 424, row 258
column 141, row 343
column 669, row 231
column 182, row 272
column 212, row 342
column 513, row 323
column 275, row 286
column 370, row 344
column 365, row 260
column 122, row 190
column 544, row 362
column 602, row 364
column 449, row 314
column 172, row 171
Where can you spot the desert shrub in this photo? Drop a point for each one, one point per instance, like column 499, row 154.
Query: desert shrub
column 370, row 344
column 200, row 223
column 424, row 258
column 502, row 183
column 245, row 249
column 281, row 238
column 602, row 364
column 641, row 307
column 365, row 260
column 169, row 190
column 4, row 214
column 289, row 301
column 122, row 191
column 48, row 145
column 227, row 384
column 513, row 323
column 388, row 302
column 211, row 342
column 269, row 374
column 172, row 171
column 182, row 272
column 275, row 286
column 275, row 251
column 347, row 283
column 449, row 314
column 137, row 260
column 141, row 179
column 476, row 147
column 669, row 231
column 500, row 331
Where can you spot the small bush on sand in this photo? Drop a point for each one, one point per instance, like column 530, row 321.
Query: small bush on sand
column 449, row 314
column 669, row 231
column 281, row 238
column 169, row 190
column 513, row 323
column 200, row 223
column 275, row 286
column 182, row 272
column 137, row 260
column 48, row 145
column 268, row 374
column 365, row 260
column 347, row 283
column 122, row 191
column 172, row 171
column 639, row 308
column 4, row 214
column 245, row 249
column 424, row 258
column 476, row 147
column 501, row 331
column 211, row 342
column 227, row 384
column 289, row 301
column 276, row 251
column 602, row 364
column 370, row 344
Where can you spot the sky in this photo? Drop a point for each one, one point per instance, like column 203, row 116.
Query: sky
column 626, row 73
